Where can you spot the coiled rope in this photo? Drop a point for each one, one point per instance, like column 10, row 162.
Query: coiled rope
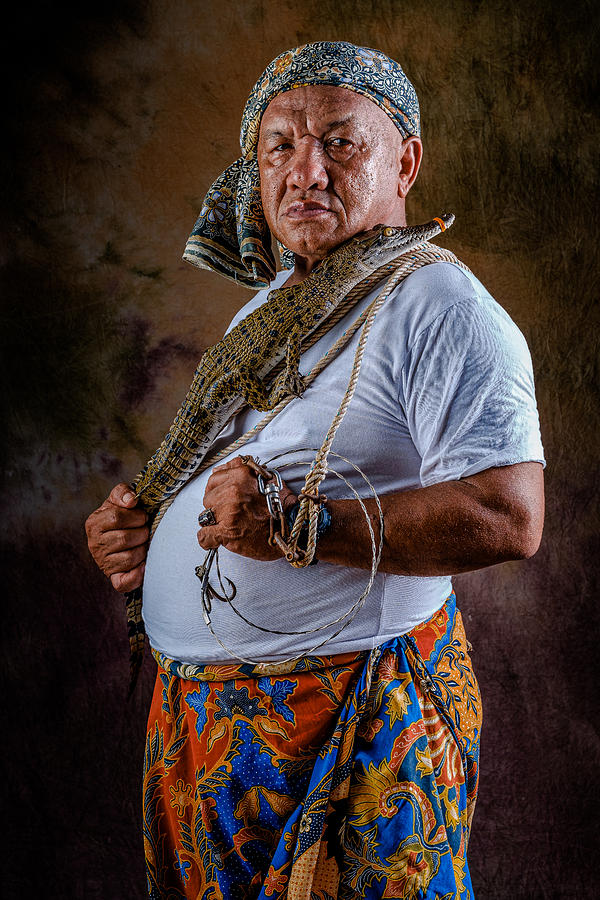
column 310, row 502
column 421, row 255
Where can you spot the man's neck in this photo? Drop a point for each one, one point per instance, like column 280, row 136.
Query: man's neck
column 301, row 270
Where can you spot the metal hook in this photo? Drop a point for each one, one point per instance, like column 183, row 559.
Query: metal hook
column 207, row 591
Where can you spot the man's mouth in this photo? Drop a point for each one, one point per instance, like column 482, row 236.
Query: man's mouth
column 306, row 209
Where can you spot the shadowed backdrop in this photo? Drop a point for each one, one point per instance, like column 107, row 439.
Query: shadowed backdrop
column 116, row 120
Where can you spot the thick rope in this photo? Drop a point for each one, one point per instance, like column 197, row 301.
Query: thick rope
column 423, row 254
column 309, row 504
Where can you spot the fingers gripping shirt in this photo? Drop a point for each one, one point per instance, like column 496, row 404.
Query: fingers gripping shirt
column 445, row 390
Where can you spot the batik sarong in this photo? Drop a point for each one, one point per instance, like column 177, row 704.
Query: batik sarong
column 350, row 776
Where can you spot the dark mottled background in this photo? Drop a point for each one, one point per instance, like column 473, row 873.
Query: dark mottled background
column 116, row 118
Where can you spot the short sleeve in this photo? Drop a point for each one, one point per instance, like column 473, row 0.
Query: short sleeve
column 468, row 392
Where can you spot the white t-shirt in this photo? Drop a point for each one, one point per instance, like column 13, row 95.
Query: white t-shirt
column 445, row 390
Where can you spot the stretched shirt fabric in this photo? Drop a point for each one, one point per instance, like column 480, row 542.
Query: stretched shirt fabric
column 339, row 777
column 445, row 391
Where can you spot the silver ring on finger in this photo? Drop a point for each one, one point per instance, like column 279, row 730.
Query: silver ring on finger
column 207, row 517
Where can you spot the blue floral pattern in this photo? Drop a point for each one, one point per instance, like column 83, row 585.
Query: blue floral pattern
column 232, row 703
column 215, row 207
column 196, row 700
column 346, row 776
column 279, row 691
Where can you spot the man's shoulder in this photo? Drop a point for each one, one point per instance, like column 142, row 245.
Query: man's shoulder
column 443, row 290
column 440, row 285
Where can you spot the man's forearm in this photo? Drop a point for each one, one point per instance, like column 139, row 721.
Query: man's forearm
column 446, row 528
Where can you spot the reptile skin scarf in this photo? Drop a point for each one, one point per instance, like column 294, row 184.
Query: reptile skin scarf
column 231, row 236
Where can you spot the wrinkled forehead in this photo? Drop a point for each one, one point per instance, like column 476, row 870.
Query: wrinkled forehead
column 361, row 71
column 321, row 108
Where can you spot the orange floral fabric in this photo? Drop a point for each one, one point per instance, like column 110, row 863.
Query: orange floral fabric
column 339, row 777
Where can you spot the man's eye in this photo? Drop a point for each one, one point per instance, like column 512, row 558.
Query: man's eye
column 338, row 147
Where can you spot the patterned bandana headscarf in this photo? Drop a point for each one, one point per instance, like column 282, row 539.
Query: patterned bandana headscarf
column 231, row 236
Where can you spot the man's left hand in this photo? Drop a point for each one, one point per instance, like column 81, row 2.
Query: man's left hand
column 240, row 510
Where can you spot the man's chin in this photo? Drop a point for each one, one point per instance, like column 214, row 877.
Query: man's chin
column 311, row 239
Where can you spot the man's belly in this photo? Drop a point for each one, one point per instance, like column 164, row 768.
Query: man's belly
column 293, row 611
column 273, row 595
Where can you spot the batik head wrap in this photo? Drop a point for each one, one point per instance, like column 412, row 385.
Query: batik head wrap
column 231, row 236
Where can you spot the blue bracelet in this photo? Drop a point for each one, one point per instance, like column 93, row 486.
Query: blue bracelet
column 323, row 522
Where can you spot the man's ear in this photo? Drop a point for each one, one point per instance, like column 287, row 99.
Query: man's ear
column 411, row 154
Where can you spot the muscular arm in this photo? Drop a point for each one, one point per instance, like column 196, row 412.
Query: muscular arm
column 445, row 528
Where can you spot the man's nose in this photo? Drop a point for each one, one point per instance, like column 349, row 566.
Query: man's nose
column 308, row 167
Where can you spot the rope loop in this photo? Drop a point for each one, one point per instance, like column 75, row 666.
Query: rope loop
column 309, row 508
column 421, row 255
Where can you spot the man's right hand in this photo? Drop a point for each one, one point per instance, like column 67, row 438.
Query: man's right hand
column 118, row 538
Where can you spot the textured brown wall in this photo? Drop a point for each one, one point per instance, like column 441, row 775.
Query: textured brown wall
column 116, row 121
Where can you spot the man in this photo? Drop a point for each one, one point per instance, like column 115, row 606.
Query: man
column 315, row 742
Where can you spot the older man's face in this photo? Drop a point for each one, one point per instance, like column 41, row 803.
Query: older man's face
column 330, row 166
